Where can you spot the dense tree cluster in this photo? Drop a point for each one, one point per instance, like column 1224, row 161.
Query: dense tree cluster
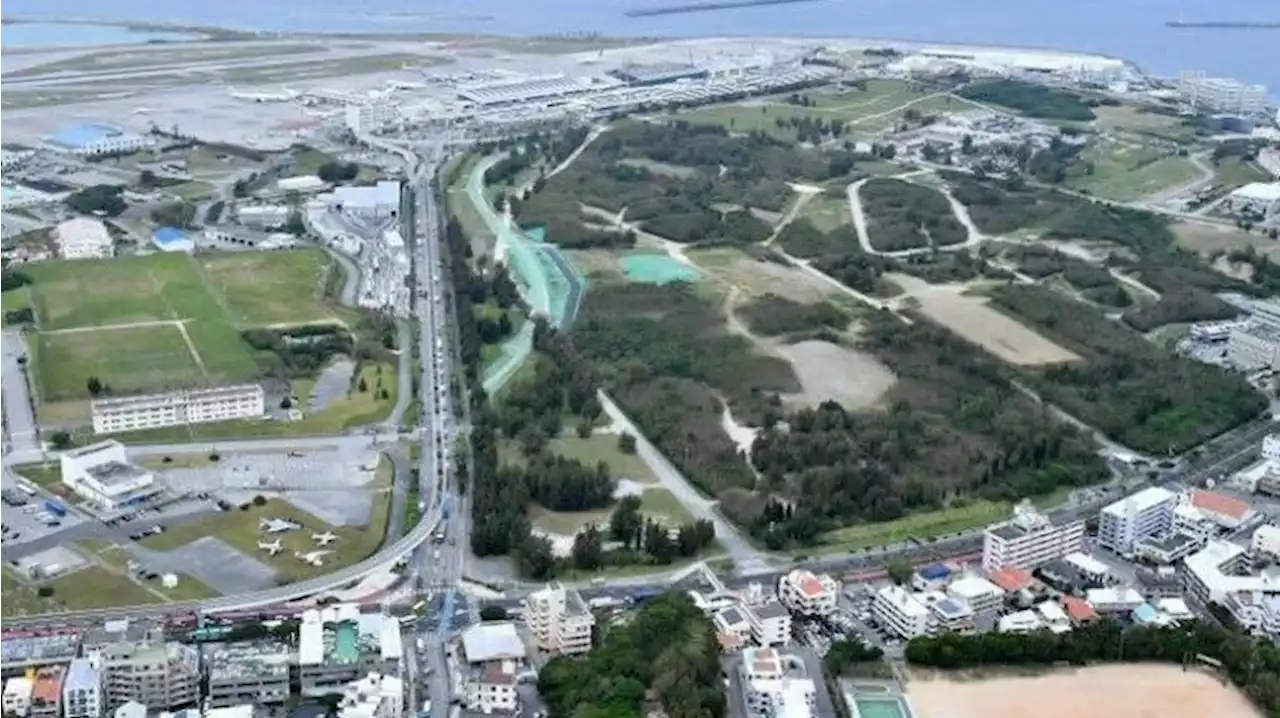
column 1252, row 664
column 175, row 214
column 533, row 407
column 668, row 651
column 1130, row 389
column 338, row 172
column 901, row 215
column 1029, row 98
column 12, row 278
column 1093, row 283
column 1182, row 304
column 98, row 199
column 298, row 351
column 771, row 315
column 955, row 427
column 837, row 253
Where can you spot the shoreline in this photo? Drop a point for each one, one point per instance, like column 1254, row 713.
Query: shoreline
column 206, row 34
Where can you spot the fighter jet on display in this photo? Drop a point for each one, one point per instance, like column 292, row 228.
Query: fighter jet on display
column 279, row 526
column 325, row 538
column 315, row 558
column 271, row 548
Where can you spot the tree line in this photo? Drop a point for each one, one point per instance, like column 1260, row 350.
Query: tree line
column 901, row 215
column 1252, row 664
column 668, row 651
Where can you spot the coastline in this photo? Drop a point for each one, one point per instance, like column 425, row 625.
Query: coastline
column 205, row 34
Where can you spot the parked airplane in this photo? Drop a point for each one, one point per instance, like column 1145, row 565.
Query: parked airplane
column 279, row 526
column 271, row 548
column 285, row 96
column 315, row 558
column 325, row 538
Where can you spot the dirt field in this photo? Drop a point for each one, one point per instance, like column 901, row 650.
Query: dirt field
column 972, row 319
column 1207, row 239
column 733, row 267
column 831, row 372
column 1118, row 691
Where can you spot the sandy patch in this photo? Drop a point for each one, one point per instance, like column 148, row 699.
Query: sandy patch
column 830, row 372
column 755, row 277
column 971, row 318
column 1117, row 691
column 743, row 436
column 1238, row 270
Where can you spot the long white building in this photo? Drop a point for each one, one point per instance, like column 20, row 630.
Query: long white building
column 897, row 610
column 775, row 685
column 1221, row 94
column 1254, row 346
column 179, row 408
column 1146, row 513
column 1030, row 539
column 1217, row 574
column 808, row 594
column 561, row 623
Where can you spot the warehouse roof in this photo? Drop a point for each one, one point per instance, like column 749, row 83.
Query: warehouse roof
column 492, row 642
column 1260, row 191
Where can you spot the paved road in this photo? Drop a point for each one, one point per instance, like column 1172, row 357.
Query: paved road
column 19, row 419
column 744, row 555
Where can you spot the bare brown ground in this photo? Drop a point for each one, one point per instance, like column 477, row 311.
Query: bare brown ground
column 1116, row 691
column 1207, row 239
column 971, row 318
column 755, row 277
column 829, row 372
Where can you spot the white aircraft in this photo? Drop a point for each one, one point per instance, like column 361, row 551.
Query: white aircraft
column 279, row 526
column 325, row 538
column 285, row 96
column 315, row 558
column 271, row 548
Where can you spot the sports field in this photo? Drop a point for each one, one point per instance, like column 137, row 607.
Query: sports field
column 164, row 321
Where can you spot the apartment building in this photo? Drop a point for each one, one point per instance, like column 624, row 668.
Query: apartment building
column 1254, row 346
column 1030, row 539
column 1266, row 542
column 493, row 688
column 808, row 594
column 775, row 684
column 560, row 621
column 250, row 672
column 897, row 610
column 339, row 644
column 1218, row 574
column 978, row 593
column 162, row 676
column 770, row 624
column 46, row 692
column 179, row 408
column 82, row 690
column 374, row 696
column 1146, row 513
column 1222, row 94
column 17, row 696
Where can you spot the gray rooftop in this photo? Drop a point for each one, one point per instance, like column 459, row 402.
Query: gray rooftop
column 40, row 649
column 1168, row 542
column 114, row 473
column 732, row 616
column 771, row 610
column 234, row 662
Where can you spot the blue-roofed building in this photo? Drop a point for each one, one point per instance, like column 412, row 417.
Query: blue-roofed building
column 172, row 239
column 91, row 139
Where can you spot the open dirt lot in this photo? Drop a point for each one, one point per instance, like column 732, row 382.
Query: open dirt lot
column 1120, row 691
column 1207, row 239
column 735, row 268
column 829, row 372
column 972, row 319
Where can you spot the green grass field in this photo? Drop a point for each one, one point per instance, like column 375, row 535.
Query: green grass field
column 164, row 321
column 827, row 213
column 1125, row 173
column 603, row 447
column 655, row 502
column 99, row 587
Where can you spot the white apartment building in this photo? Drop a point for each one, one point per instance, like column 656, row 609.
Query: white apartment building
column 83, row 238
column 95, row 140
column 947, row 614
column 195, row 406
column 1271, row 448
column 102, row 474
column 1221, row 94
column 1114, row 599
column 897, row 610
column 1266, row 542
column 1217, row 574
column 561, row 623
column 374, row 696
column 17, row 696
column 980, row 594
column 82, row 690
column 493, row 689
column 371, row 117
column 770, row 624
column 263, row 216
column 1146, row 513
column 808, row 594
column 1254, row 346
column 775, row 685
column 1030, row 539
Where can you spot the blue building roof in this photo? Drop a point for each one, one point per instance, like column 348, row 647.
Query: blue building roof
column 83, row 134
column 934, row 572
column 168, row 235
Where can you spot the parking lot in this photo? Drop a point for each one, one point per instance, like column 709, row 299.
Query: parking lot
column 26, row 517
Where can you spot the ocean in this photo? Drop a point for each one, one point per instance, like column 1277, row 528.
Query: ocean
column 1131, row 29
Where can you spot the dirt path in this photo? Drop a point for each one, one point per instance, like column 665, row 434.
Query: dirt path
column 804, row 193
column 1133, row 284
column 127, row 325
column 191, row 347
column 974, row 236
